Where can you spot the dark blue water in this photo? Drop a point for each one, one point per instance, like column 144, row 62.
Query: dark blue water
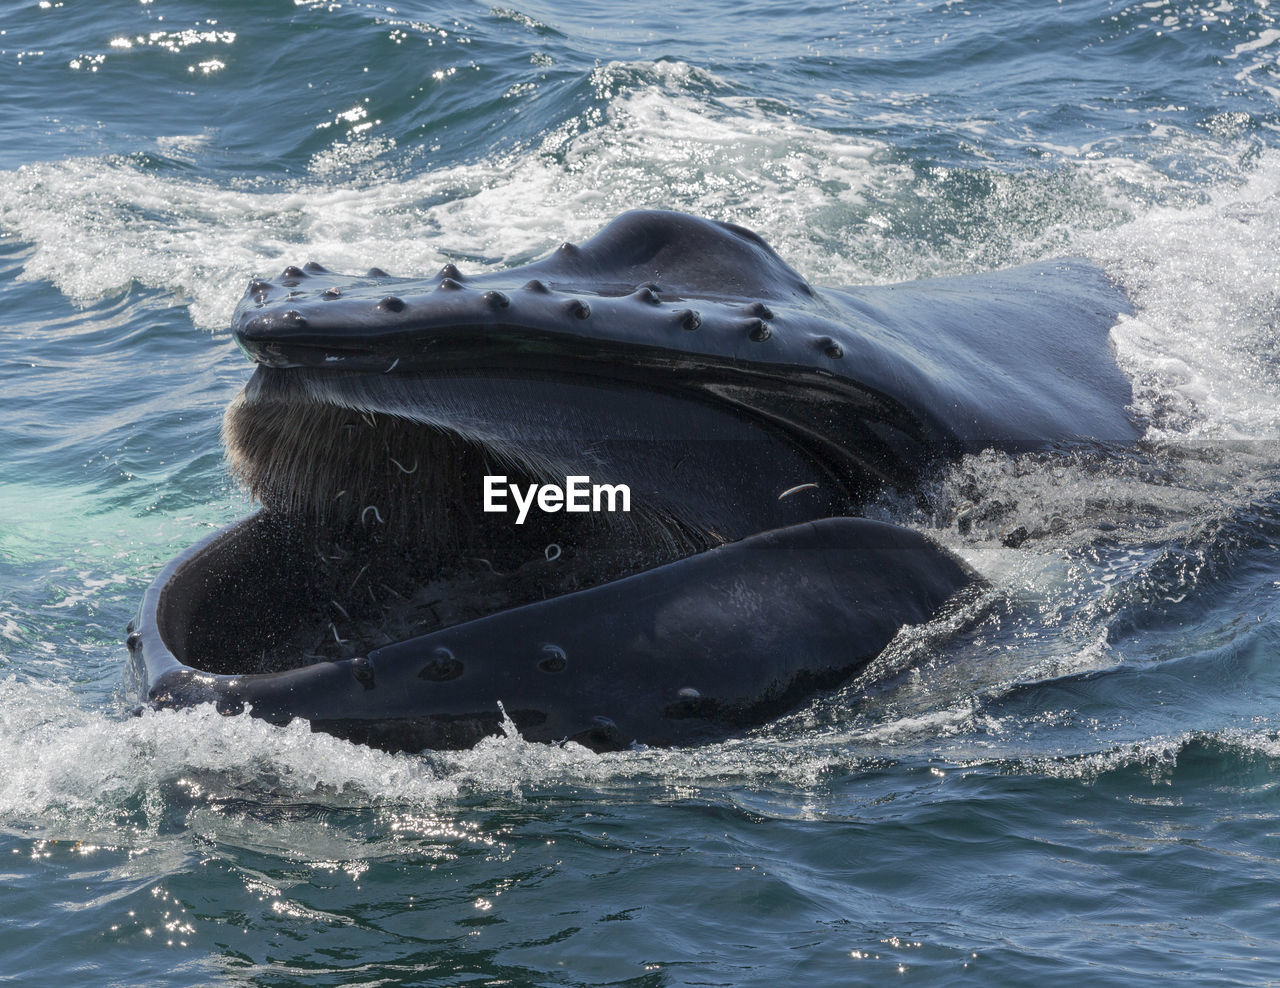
column 1082, row 786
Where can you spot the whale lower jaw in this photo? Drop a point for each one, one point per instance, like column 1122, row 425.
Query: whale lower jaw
column 676, row 654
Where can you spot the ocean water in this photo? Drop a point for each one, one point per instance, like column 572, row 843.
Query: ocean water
column 1082, row 784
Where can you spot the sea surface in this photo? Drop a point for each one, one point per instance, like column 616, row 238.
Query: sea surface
column 1079, row 786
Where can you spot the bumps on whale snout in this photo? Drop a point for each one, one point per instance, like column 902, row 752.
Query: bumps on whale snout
column 564, row 302
column 830, row 347
column 442, row 666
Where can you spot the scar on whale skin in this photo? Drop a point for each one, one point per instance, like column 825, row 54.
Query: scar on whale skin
column 751, row 415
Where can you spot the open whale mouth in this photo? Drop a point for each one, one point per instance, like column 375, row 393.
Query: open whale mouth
column 379, row 422
column 374, row 532
column 373, row 450
column 423, row 499
column 412, row 480
column 374, row 453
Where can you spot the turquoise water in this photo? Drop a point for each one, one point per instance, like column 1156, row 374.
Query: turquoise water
column 1082, row 785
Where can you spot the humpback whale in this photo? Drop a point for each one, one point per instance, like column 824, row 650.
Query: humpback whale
column 750, row 417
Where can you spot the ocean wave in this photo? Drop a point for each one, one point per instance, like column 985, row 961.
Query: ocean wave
column 1236, row 757
column 77, row 767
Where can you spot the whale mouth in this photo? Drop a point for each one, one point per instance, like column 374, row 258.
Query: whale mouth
column 373, row 423
column 373, row 495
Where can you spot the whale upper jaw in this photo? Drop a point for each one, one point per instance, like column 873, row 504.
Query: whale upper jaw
column 662, row 290
column 449, row 322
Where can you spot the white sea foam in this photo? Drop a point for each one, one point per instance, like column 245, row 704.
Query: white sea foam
column 1201, row 346
column 99, row 772
column 97, row 224
column 95, row 767
column 1158, row 757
